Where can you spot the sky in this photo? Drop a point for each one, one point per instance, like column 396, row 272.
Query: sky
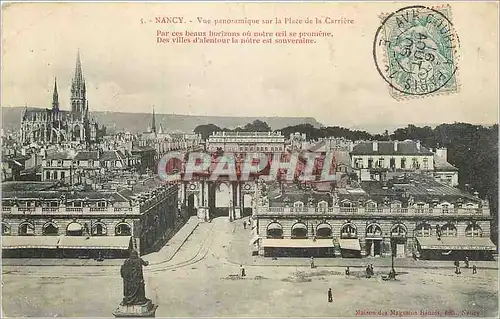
column 333, row 80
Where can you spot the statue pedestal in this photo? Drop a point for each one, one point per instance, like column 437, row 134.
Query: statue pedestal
column 147, row 309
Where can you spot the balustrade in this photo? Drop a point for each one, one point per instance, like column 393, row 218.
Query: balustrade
column 376, row 211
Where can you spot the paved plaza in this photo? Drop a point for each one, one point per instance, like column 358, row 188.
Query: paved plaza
column 201, row 280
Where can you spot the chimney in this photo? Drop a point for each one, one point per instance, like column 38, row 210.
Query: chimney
column 442, row 153
column 375, row 146
column 395, row 146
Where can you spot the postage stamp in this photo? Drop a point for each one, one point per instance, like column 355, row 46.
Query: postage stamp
column 416, row 52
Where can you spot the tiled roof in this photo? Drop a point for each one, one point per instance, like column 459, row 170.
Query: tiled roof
column 60, row 155
column 86, row 155
column 114, row 196
column 421, row 189
column 292, row 193
column 25, row 186
column 388, row 148
column 110, row 156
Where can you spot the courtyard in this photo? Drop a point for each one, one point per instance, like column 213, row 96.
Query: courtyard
column 202, row 280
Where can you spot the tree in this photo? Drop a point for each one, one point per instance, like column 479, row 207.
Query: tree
column 257, row 126
column 206, row 130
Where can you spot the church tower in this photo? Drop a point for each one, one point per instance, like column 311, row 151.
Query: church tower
column 78, row 91
column 55, row 98
column 153, row 122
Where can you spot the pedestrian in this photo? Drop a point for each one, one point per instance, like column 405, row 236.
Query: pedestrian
column 466, row 262
column 371, row 270
column 347, row 272
column 458, row 270
column 474, row 269
column 312, row 262
column 368, row 271
column 244, row 225
column 242, row 271
column 330, row 297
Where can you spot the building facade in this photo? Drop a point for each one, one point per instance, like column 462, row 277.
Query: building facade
column 38, row 219
column 246, row 142
column 417, row 216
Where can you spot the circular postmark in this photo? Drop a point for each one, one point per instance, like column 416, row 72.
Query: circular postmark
column 415, row 50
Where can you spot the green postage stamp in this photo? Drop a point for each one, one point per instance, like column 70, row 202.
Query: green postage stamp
column 416, row 52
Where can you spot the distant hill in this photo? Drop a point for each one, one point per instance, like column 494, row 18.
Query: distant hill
column 139, row 122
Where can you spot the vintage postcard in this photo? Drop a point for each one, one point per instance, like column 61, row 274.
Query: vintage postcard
column 249, row 159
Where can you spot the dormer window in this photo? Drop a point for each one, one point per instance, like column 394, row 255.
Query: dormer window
column 323, row 206
column 298, row 205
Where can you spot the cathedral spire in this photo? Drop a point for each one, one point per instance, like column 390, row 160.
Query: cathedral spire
column 153, row 122
column 55, row 97
column 78, row 70
column 78, row 90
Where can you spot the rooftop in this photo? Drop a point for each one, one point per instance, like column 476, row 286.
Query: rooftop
column 390, row 148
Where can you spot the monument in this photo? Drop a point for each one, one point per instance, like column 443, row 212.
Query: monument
column 134, row 303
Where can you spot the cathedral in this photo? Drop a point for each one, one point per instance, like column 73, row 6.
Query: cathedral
column 56, row 126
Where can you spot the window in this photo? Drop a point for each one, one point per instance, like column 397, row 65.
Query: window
column 358, row 163
column 123, row 229
column 101, row 204
column 47, row 175
column 346, row 203
column 448, row 230
column 50, row 229
column 381, row 162
column 473, row 230
column 74, row 229
column 322, row 206
column 99, row 229
column 324, row 230
column 299, row 230
column 392, row 163
column 423, row 230
column 371, row 204
column 298, row 205
column 26, row 229
column 373, row 230
column 370, row 163
column 415, row 163
column 396, row 204
column 348, row 231
column 445, row 208
column 47, row 163
column 398, row 231
column 274, row 230
column 63, row 175
column 5, row 229
column 59, row 163
column 426, row 163
column 420, row 207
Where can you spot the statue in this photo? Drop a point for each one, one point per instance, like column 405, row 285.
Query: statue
column 134, row 303
column 133, row 280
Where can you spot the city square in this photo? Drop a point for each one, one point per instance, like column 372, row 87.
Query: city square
column 202, row 280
